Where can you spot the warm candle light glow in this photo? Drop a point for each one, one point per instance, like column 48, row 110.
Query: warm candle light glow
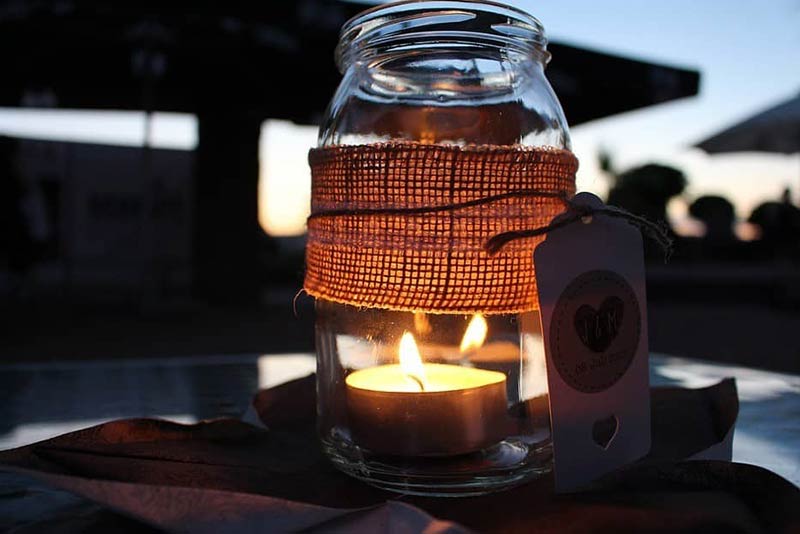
column 475, row 334
column 428, row 409
column 410, row 360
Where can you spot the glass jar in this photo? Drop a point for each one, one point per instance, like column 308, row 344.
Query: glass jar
column 419, row 398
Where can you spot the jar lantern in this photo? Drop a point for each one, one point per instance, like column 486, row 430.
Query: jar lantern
column 443, row 133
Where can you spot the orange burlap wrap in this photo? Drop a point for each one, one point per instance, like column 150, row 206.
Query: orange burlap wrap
column 432, row 262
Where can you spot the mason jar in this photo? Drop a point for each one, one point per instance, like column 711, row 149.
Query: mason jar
column 431, row 375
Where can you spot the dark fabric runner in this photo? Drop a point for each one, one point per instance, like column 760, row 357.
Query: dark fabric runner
column 142, row 475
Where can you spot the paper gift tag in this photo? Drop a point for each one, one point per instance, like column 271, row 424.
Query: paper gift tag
column 590, row 279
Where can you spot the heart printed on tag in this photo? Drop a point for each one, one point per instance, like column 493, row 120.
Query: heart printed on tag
column 604, row 430
column 595, row 330
column 598, row 328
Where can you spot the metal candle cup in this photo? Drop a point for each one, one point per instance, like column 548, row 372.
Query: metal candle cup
column 461, row 410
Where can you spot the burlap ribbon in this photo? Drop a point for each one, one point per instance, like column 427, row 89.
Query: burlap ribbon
column 403, row 225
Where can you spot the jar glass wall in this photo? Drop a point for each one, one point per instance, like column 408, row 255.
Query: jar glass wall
column 480, row 439
column 416, row 401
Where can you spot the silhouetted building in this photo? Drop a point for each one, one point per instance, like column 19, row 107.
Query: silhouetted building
column 16, row 240
column 108, row 217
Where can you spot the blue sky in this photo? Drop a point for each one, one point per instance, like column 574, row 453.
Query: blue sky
column 748, row 54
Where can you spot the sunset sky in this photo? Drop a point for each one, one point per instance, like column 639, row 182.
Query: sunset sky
column 748, row 59
column 747, row 53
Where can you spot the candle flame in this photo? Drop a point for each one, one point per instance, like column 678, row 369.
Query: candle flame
column 475, row 334
column 410, row 360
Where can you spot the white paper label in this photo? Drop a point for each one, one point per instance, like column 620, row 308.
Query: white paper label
column 590, row 278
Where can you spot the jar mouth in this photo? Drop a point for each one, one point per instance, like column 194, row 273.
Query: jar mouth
column 418, row 25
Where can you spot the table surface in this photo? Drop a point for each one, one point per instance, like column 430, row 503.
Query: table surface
column 42, row 400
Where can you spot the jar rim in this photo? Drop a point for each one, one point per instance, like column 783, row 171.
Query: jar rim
column 413, row 25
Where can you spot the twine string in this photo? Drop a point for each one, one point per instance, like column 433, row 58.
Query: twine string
column 522, row 193
column 658, row 232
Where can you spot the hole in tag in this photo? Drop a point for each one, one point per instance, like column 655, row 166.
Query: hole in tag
column 604, row 430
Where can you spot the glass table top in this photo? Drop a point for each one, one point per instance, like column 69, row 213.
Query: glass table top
column 42, row 400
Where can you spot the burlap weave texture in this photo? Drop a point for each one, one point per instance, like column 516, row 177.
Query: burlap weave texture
column 433, row 262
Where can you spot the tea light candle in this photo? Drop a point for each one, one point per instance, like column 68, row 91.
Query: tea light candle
column 425, row 409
